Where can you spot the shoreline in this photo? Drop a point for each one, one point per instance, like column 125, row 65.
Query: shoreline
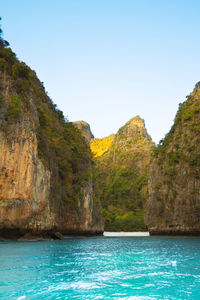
column 125, row 234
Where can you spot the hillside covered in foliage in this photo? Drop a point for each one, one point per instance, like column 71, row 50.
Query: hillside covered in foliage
column 173, row 206
column 45, row 167
column 121, row 175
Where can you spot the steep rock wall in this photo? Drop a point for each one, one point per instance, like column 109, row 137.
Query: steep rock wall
column 45, row 178
column 173, row 206
column 24, row 183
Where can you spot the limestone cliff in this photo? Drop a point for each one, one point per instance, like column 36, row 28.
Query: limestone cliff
column 85, row 130
column 121, row 174
column 173, row 206
column 24, row 181
column 45, row 163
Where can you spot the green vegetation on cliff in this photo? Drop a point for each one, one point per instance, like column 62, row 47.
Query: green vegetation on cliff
column 121, row 175
column 61, row 146
column 186, row 120
column 100, row 146
column 173, row 205
column 46, row 167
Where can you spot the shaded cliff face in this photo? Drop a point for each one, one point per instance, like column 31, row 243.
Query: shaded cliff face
column 45, row 166
column 121, row 175
column 173, row 206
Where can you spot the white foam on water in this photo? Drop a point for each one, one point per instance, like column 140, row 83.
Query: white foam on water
column 125, row 284
column 22, row 297
column 124, row 234
column 139, row 298
column 84, row 285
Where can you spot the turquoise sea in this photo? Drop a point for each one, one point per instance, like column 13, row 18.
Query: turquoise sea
column 101, row 268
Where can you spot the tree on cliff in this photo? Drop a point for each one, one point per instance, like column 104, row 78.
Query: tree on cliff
column 2, row 41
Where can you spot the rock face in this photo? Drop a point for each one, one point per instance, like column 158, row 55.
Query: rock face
column 85, row 130
column 173, row 206
column 121, row 175
column 45, row 164
column 24, row 181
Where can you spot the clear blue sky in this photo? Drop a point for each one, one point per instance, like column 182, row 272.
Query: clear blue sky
column 105, row 61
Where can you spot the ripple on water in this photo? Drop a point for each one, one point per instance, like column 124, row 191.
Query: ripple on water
column 101, row 268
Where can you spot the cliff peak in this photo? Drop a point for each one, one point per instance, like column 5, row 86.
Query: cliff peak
column 85, row 130
column 134, row 129
column 136, row 121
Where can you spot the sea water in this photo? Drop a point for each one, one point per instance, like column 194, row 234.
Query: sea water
column 101, row 268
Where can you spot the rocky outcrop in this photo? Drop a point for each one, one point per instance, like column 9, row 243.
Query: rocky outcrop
column 173, row 206
column 24, row 181
column 85, row 130
column 86, row 219
column 45, row 165
column 121, row 175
